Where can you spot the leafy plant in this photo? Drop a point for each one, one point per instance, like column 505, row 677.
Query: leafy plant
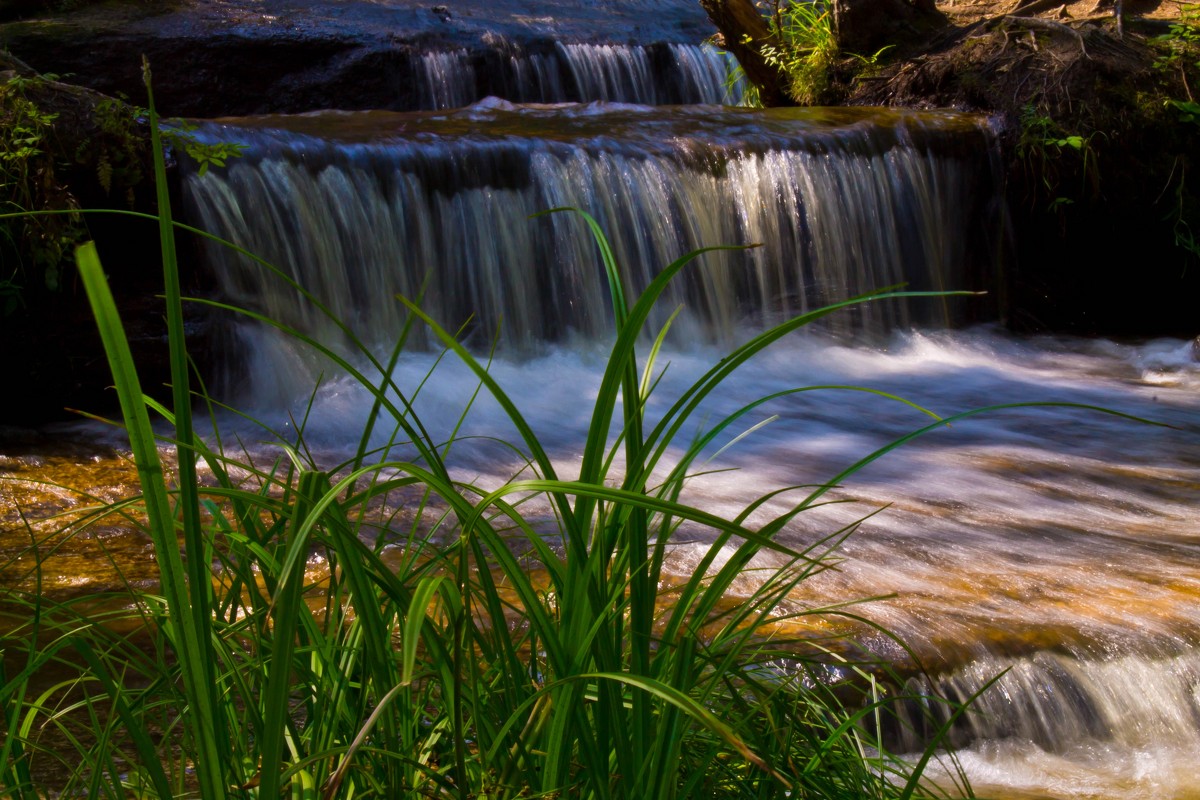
column 1043, row 147
column 1189, row 111
column 37, row 245
column 111, row 140
column 807, row 48
column 206, row 154
column 1181, row 51
column 118, row 151
column 1182, row 211
column 1181, row 45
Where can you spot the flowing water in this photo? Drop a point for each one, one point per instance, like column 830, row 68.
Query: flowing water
column 576, row 72
column 1053, row 546
column 837, row 202
column 1057, row 544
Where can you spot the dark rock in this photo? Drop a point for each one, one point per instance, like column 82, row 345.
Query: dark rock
column 865, row 26
column 216, row 58
column 1094, row 247
column 51, row 353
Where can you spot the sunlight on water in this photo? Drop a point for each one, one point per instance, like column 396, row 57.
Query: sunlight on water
column 1059, row 544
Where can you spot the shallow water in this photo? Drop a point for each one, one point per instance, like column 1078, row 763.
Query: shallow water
column 1057, row 543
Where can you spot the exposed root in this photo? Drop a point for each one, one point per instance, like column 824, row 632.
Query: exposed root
column 1045, row 25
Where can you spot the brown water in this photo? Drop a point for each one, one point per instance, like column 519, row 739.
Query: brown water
column 1059, row 544
column 49, row 493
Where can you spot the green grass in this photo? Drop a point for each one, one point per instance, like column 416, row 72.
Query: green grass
column 493, row 660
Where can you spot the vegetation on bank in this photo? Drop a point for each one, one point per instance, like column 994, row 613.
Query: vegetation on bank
column 1100, row 123
column 460, row 641
column 61, row 148
column 31, row 248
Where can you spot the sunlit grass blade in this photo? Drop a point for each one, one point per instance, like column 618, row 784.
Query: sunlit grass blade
column 199, row 584
column 190, row 638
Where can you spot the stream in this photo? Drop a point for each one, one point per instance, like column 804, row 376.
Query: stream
column 1052, row 545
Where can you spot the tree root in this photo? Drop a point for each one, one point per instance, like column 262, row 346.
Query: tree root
column 1026, row 7
column 1044, row 25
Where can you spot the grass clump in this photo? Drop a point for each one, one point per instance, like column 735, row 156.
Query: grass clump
column 800, row 46
column 807, row 49
column 492, row 658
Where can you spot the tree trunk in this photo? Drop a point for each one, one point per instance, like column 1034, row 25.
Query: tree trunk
column 745, row 32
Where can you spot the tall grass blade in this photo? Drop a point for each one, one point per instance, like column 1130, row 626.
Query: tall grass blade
column 185, row 634
column 199, row 583
column 146, row 750
column 287, row 607
column 14, row 761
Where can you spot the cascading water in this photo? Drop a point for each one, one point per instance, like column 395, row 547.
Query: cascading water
column 664, row 74
column 1093, row 727
column 1062, row 702
column 839, row 203
column 1053, row 547
column 1056, row 544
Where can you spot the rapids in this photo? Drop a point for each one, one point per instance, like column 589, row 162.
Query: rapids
column 1052, row 545
column 1058, row 544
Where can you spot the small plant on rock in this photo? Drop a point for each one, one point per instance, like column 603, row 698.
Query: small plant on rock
column 1181, row 55
column 807, row 51
column 37, row 245
column 1047, row 150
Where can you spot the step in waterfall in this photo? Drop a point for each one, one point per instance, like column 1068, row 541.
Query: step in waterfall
column 824, row 204
column 663, row 74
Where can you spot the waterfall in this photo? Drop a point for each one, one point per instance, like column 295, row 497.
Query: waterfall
column 574, row 72
column 1057, row 702
column 837, row 204
column 447, row 79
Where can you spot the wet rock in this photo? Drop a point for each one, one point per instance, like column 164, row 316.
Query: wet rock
column 213, row 58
